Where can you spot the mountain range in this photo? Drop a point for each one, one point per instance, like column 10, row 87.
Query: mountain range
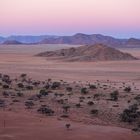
column 77, row 39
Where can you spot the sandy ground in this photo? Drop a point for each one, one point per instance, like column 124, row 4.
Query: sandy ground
column 15, row 60
column 27, row 127
column 20, row 59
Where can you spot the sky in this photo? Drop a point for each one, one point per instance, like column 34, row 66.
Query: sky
column 119, row 18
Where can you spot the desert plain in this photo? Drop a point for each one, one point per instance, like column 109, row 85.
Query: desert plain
column 23, row 122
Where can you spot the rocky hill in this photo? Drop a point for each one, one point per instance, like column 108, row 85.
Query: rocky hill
column 97, row 52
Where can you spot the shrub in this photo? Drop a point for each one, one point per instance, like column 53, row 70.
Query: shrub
column 66, row 108
column 29, row 104
column 2, row 103
column 5, row 86
column 69, row 89
column 20, row 85
column 29, row 87
column 23, row 75
column 92, row 87
column 114, row 95
column 64, row 116
column 127, row 89
column 78, row 105
column 90, row 103
column 130, row 114
column 84, row 91
column 19, row 94
column 43, row 92
column 55, row 85
column 94, row 111
column 45, row 110
column 5, row 94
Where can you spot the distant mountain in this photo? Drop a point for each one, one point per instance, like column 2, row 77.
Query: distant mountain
column 133, row 41
column 11, row 42
column 26, row 39
column 1, row 39
column 29, row 39
column 77, row 39
column 83, row 39
column 97, row 52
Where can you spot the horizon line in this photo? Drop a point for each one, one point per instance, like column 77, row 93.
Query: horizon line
column 69, row 34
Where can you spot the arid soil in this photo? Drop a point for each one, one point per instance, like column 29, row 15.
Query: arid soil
column 99, row 113
column 27, row 127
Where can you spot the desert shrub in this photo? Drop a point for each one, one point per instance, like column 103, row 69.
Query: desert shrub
column 94, row 111
column 68, row 126
column 96, row 95
column 84, row 90
column 5, row 94
column 137, row 98
column 61, row 101
column 6, row 79
column 131, row 114
column 19, row 94
column 90, row 103
column 64, row 116
column 43, row 92
column 29, row 87
column 5, row 86
column 135, row 129
column 36, row 83
column 55, row 85
column 47, row 86
column 92, row 87
column 82, row 97
column 29, row 104
column 0, row 75
column 78, row 105
column 114, row 95
column 2, row 103
column 69, row 89
column 45, row 110
column 127, row 89
column 88, row 97
column 20, row 85
column 66, row 108
column 15, row 101
column 81, row 100
column 23, row 75
column 61, row 94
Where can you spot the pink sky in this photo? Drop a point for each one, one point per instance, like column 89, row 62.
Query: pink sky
column 111, row 17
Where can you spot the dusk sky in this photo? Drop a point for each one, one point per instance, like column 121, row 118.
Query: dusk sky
column 119, row 18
